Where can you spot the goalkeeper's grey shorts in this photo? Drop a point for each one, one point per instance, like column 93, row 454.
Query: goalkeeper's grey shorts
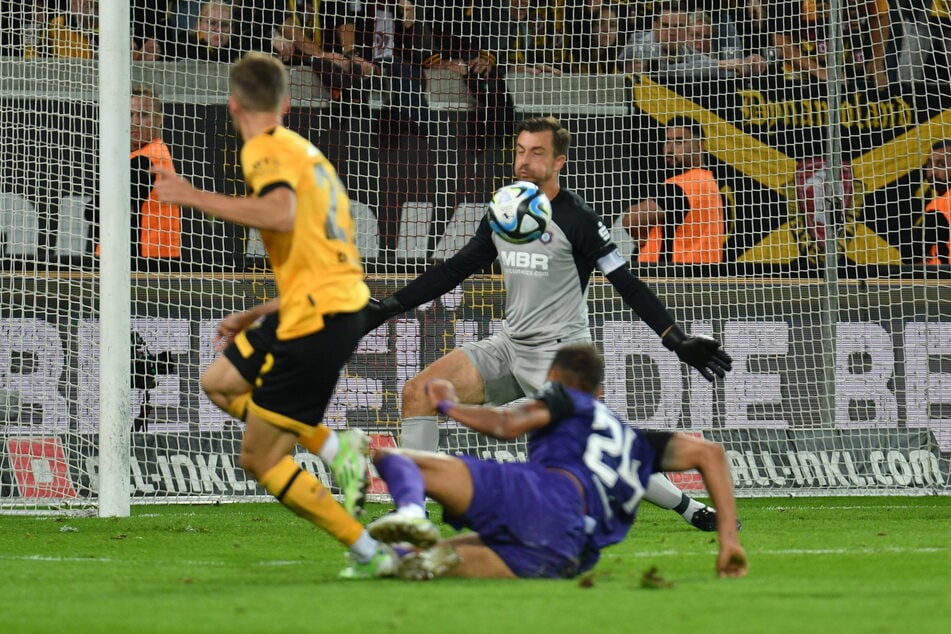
column 511, row 370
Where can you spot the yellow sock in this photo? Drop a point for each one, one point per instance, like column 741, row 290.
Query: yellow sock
column 303, row 493
column 316, row 439
column 238, row 407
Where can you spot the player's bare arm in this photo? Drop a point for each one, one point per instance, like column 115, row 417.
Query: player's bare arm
column 497, row 422
column 686, row 452
column 275, row 211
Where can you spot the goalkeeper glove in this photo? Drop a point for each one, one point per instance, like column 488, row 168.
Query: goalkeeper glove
column 701, row 352
column 378, row 311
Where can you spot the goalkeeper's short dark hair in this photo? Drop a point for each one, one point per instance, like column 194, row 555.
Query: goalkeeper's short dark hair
column 560, row 135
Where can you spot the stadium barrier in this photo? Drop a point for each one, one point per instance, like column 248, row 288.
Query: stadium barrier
column 839, row 386
column 768, row 411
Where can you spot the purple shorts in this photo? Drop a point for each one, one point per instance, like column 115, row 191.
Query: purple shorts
column 529, row 516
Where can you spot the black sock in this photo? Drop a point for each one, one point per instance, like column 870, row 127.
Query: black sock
column 684, row 503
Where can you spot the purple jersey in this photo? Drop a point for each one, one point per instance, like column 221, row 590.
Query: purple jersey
column 611, row 460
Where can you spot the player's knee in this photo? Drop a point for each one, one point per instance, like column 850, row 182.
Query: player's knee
column 415, row 401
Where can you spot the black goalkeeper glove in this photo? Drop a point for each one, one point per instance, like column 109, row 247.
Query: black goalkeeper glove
column 378, row 311
column 701, row 352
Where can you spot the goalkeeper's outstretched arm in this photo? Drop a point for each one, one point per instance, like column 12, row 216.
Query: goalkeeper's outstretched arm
column 437, row 280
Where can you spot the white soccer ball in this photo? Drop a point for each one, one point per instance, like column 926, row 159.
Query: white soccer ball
column 519, row 212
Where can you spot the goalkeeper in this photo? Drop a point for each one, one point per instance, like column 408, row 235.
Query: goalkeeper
column 549, row 517
column 545, row 308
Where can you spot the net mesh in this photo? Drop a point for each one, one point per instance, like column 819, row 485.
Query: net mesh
column 779, row 164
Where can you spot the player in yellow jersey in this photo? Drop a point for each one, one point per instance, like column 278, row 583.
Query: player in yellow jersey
column 280, row 377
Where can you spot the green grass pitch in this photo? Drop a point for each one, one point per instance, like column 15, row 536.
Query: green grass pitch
column 840, row 565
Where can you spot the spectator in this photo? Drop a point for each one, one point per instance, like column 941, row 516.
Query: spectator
column 750, row 23
column 800, row 35
column 324, row 36
column 650, row 50
column 471, row 42
column 210, row 38
column 156, row 233
column 388, row 34
column 738, row 25
column 914, row 48
column 681, row 40
column 23, row 27
column 184, row 14
column 931, row 20
column 936, row 222
column 598, row 40
column 74, row 33
column 465, row 34
column 224, row 31
column 398, row 44
column 148, row 29
column 682, row 221
column 524, row 38
column 259, row 22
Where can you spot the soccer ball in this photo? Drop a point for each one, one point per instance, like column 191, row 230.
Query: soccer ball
column 519, row 212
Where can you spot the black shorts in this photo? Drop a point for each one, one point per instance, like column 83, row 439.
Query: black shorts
column 293, row 380
column 246, row 353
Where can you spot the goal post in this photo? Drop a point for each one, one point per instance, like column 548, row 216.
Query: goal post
column 115, row 88
column 819, row 125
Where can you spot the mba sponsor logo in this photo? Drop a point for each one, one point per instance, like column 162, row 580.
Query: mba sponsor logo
column 524, row 263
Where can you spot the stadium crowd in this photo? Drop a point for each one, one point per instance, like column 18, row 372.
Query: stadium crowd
column 478, row 38
column 390, row 48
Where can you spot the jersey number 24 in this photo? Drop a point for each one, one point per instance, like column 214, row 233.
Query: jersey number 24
column 608, row 456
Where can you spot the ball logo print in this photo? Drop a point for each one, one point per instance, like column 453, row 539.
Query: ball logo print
column 519, row 212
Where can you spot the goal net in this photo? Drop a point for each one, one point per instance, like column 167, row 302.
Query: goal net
column 782, row 167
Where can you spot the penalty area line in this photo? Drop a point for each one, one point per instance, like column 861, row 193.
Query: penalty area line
column 111, row 560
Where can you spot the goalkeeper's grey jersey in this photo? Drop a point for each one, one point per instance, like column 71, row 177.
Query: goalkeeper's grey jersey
column 546, row 281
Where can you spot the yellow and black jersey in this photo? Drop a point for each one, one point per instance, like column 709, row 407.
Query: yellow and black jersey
column 316, row 265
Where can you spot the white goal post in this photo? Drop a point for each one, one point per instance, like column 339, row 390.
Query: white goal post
column 830, row 285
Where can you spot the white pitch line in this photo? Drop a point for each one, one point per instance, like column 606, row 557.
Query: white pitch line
column 104, row 560
column 653, row 553
column 797, row 551
column 854, row 508
column 109, row 560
